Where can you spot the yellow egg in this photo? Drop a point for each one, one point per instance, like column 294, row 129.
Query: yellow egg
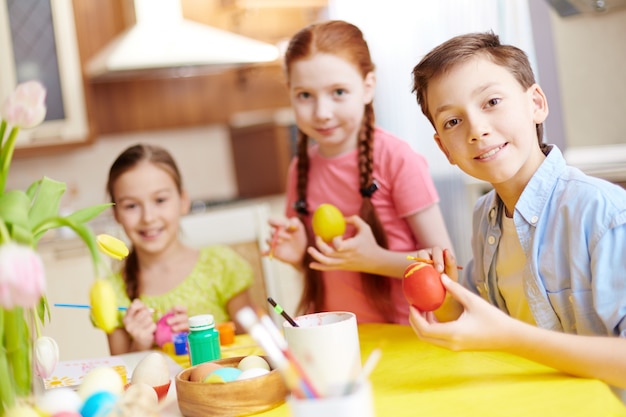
column 328, row 222
column 21, row 410
column 253, row 361
column 103, row 305
column 214, row 379
column 103, row 378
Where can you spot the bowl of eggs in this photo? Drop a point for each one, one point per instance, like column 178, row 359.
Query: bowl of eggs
column 236, row 386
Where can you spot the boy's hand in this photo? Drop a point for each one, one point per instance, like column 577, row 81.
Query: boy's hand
column 443, row 261
column 481, row 326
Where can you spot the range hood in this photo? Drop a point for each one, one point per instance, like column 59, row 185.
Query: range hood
column 574, row 7
column 162, row 39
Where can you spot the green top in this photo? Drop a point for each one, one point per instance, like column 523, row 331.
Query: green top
column 219, row 274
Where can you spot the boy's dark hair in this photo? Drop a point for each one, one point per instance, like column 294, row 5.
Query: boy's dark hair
column 462, row 48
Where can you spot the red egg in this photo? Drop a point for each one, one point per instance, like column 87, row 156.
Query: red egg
column 422, row 287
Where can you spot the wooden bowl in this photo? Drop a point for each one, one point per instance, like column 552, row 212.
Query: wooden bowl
column 236, row 398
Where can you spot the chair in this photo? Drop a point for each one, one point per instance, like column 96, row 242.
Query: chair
column 245, row 229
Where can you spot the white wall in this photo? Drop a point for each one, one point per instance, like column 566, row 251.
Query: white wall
column 202, row 153
column 591, row 58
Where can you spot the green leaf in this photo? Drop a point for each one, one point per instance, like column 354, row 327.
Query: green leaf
column 43, row 309
column 3, row 128
column 14, row 207
column 5, row 157
column 86, row 214
column 81, row 230
column 18, row 349
column 32, row 190
column 21, row 234
column 46, row 201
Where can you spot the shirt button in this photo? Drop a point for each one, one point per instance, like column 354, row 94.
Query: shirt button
column 534, row 219
column 491, row 240
column 492, row 213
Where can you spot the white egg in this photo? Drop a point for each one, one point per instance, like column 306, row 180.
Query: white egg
column 59, row 399
column 103, row 378
column 152, row 370
column 252, row 373
column 141, row 394
column 253, row 361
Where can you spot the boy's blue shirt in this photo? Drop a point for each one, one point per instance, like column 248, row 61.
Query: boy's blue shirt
column 572, row 228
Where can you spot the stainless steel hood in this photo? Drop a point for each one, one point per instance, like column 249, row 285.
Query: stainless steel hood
column 575, row 7
column 162, row 39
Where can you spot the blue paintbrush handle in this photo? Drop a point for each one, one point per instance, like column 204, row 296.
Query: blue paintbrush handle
column 83, row 306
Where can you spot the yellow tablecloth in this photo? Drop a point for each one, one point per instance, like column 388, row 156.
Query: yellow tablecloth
column 414, row 378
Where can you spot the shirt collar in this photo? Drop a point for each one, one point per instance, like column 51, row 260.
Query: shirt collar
column 541, row 185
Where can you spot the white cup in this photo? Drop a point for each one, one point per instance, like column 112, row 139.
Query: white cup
column 358, row 403
column 326, row 345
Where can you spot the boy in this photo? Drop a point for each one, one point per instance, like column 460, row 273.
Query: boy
column 549, row 242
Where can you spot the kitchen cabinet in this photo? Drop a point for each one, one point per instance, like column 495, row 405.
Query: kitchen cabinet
column 37, row 41
column 175, row 97
column 263, row 143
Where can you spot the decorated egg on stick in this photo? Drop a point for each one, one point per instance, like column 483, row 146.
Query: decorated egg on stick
column 422, row 286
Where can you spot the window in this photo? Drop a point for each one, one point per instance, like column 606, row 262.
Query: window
column 38, row 42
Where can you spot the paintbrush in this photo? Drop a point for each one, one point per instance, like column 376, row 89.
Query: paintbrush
column 278, row 309
column 426, row 261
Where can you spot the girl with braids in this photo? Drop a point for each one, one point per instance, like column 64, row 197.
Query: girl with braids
column 377, row 181
column 161, row 275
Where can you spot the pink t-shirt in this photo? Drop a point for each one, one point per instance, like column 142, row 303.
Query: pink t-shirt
column 404, row 188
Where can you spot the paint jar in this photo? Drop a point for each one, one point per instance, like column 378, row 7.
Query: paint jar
column 203, row 339
column 180, row 343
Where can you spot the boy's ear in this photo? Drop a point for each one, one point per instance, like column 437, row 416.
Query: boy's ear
column 443, row 149
column 369, row 84
column 540, row 103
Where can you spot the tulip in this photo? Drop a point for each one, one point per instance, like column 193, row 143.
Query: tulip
column 22, row 276
column 26, row 107
column 112, row 247
column 46, row 356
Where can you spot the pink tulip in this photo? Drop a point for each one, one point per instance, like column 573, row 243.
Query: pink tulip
column 22, row 276
column 46, row 356
column 26, row 107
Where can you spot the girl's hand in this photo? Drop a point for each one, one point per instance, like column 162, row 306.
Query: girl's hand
column 288, row 241
column 481, row 326
column 139, row 325
column 179, row 321
column 357, row 253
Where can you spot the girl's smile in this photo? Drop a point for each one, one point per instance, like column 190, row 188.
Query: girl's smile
column 149, row 206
